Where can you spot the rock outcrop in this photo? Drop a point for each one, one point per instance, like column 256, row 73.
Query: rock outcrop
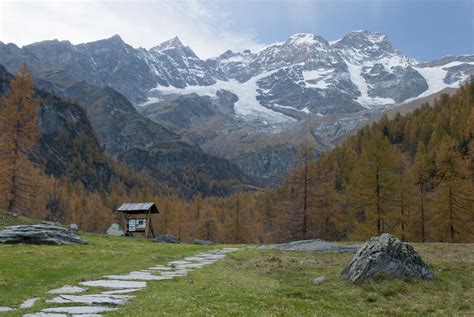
column 108, row 123
column 203, row 242
column 166, row 238
column 66, row 136
column 44, row 233
column 386, row 255
column 319, row 280
column 114, row 230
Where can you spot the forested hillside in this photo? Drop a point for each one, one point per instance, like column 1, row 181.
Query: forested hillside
column 52, row 166
column 411, row 175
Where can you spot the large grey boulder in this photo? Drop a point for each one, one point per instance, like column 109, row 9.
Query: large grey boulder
column 114, row 230
column 166, row 238
column 203, row 242
column 45, row 233
column 386, row 255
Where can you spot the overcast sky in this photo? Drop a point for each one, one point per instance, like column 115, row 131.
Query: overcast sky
column 424, row 29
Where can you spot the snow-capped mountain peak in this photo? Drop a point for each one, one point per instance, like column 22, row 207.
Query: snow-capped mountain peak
column 361, row 46
column 362, row 38
column 306, row 74
column 286, row 81
column 174, row 42
column 306, row 39
column 287, row 89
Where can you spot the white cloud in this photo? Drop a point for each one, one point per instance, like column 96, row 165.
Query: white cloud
column 202, row 26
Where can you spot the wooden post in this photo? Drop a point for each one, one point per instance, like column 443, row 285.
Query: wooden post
column 129, row 232
column 151, row 229
column 146, row 227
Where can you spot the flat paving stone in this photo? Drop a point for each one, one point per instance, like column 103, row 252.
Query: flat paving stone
column 140, row 276
column 160, row 268
column 194, row 259
column 29, row 302
column 190, row 266
column 41, row 314
column 119, row 285
column 93, row 299
column 179, row 262
column 6, row 308
column 209, row 262
column 114, row 284
column 227, row 250
column 79, row 310
column 175, row 273
column 68, row 289
column 121, row 291
column 216, row 256
column 172, row 276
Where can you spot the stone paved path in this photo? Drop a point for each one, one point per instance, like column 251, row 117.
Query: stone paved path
column 116, row 290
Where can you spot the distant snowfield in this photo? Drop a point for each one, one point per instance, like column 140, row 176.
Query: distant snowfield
column 317, row 76
column 247, row 106
column 355, row 71
column 435, row 76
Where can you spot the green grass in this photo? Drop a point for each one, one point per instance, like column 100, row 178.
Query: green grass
column 248, row 282
column 277, row 283
column 31, row 270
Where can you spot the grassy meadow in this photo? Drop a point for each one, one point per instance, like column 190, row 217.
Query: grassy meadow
column 246, row 283
column 279, row 283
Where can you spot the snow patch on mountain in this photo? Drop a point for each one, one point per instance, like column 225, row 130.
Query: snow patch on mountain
column 303, row 39
column 362, row 67
column 316, row 78
column 364, row 99
column 247, row 105
column 435, row 76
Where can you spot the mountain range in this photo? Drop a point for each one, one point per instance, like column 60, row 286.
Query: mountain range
column 245, row 110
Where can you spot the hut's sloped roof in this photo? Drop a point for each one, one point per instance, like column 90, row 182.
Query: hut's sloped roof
column 138, row 207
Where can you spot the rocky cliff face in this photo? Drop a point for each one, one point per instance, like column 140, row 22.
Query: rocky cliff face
column 68, row 137
column 109, row 62
column 149, row 147
column 182, row 165
column 328, row 87
column 67, row 145
column 119, row 126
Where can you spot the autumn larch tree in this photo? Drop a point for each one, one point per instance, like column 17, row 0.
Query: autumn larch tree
column 371, row 189
column 302, row 182
column 404, row 192
column 18, row 136
column 421, row 174
column 454, row 201
column 327, row 209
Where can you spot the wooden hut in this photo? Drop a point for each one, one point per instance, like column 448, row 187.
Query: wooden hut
column 137, row 218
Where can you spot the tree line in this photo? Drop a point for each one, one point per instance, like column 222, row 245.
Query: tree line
column 412, row 176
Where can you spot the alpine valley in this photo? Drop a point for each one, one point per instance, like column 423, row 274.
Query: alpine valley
column 238, row 118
